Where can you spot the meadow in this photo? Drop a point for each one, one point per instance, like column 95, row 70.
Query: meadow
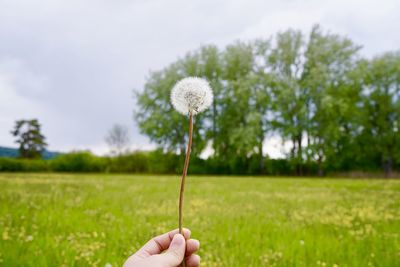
column 98, row 220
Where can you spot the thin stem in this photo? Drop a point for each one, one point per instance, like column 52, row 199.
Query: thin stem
column 185, row 168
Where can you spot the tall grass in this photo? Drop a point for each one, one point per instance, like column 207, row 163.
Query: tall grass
column 91, row 220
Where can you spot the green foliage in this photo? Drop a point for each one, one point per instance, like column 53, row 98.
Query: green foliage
column 155, row 114
column 78, row 162
column 381, row 112
column 99, row 220
column 134, row 163
column 315, row 92
column 157, row 162
column 30, row 139
column 23, row 165
column 160, row 162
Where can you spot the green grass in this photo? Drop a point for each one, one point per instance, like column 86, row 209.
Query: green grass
column 81, row 220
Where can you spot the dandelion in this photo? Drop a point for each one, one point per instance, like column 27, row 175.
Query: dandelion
column 189, row 96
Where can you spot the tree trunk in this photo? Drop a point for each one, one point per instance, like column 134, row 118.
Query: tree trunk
column 293, row 155
column 214, row 126
column 292, row 152
column 387, row 167
column 260, row 151
column 299, row 155
column 320, row 170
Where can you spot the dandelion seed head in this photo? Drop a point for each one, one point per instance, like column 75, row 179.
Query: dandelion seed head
column 191, row 94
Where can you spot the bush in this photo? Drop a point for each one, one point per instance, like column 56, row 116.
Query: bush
column 23, row 165
column 137, row 162
column 165, row 163
column 157, row 162
column 79, row 162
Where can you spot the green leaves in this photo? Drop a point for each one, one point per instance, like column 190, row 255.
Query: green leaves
column 315, row 92
column 29, row 137
column 381, row 113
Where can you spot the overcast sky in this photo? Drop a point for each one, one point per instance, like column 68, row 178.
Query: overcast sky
column 73, row 64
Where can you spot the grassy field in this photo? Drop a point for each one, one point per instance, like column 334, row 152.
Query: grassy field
column 92, row 220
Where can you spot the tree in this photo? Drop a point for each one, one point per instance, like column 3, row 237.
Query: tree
column 316, row 92
column 332, row 93
column 237, row 61
column 234, row 125
column 290, row 96
column 118, row 139
column 310, row 95
column 155, row 115
column 30, row 139
column 244, row 104
column 382, row 109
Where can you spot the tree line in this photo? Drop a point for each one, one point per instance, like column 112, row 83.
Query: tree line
column 338, row 110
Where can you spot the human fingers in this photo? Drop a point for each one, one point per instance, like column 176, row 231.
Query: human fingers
column 193, row 261
column 160, row 243
column 192, row 245
column 175, row 253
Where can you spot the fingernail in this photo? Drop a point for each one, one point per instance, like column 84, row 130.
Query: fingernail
column 177, row 241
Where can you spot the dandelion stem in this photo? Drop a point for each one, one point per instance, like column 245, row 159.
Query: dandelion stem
column 185, row 168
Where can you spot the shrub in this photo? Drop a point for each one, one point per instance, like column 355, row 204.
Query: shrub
column 23, row 165
column 78, row 162
column 168, row 163
column 136, row 162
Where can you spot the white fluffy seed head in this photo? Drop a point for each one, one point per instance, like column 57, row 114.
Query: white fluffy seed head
column 191, row 94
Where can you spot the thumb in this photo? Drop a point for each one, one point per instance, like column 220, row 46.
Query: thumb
column 175, row 253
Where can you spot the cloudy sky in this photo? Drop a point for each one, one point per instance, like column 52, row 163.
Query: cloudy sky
column 74, row 64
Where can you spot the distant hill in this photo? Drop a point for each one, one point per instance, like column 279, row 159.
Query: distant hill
column 8, row 152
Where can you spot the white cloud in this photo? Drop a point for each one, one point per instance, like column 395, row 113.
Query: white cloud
column 14, row 105
column 370, row 23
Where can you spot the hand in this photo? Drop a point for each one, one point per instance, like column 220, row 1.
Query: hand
column 176, row 249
